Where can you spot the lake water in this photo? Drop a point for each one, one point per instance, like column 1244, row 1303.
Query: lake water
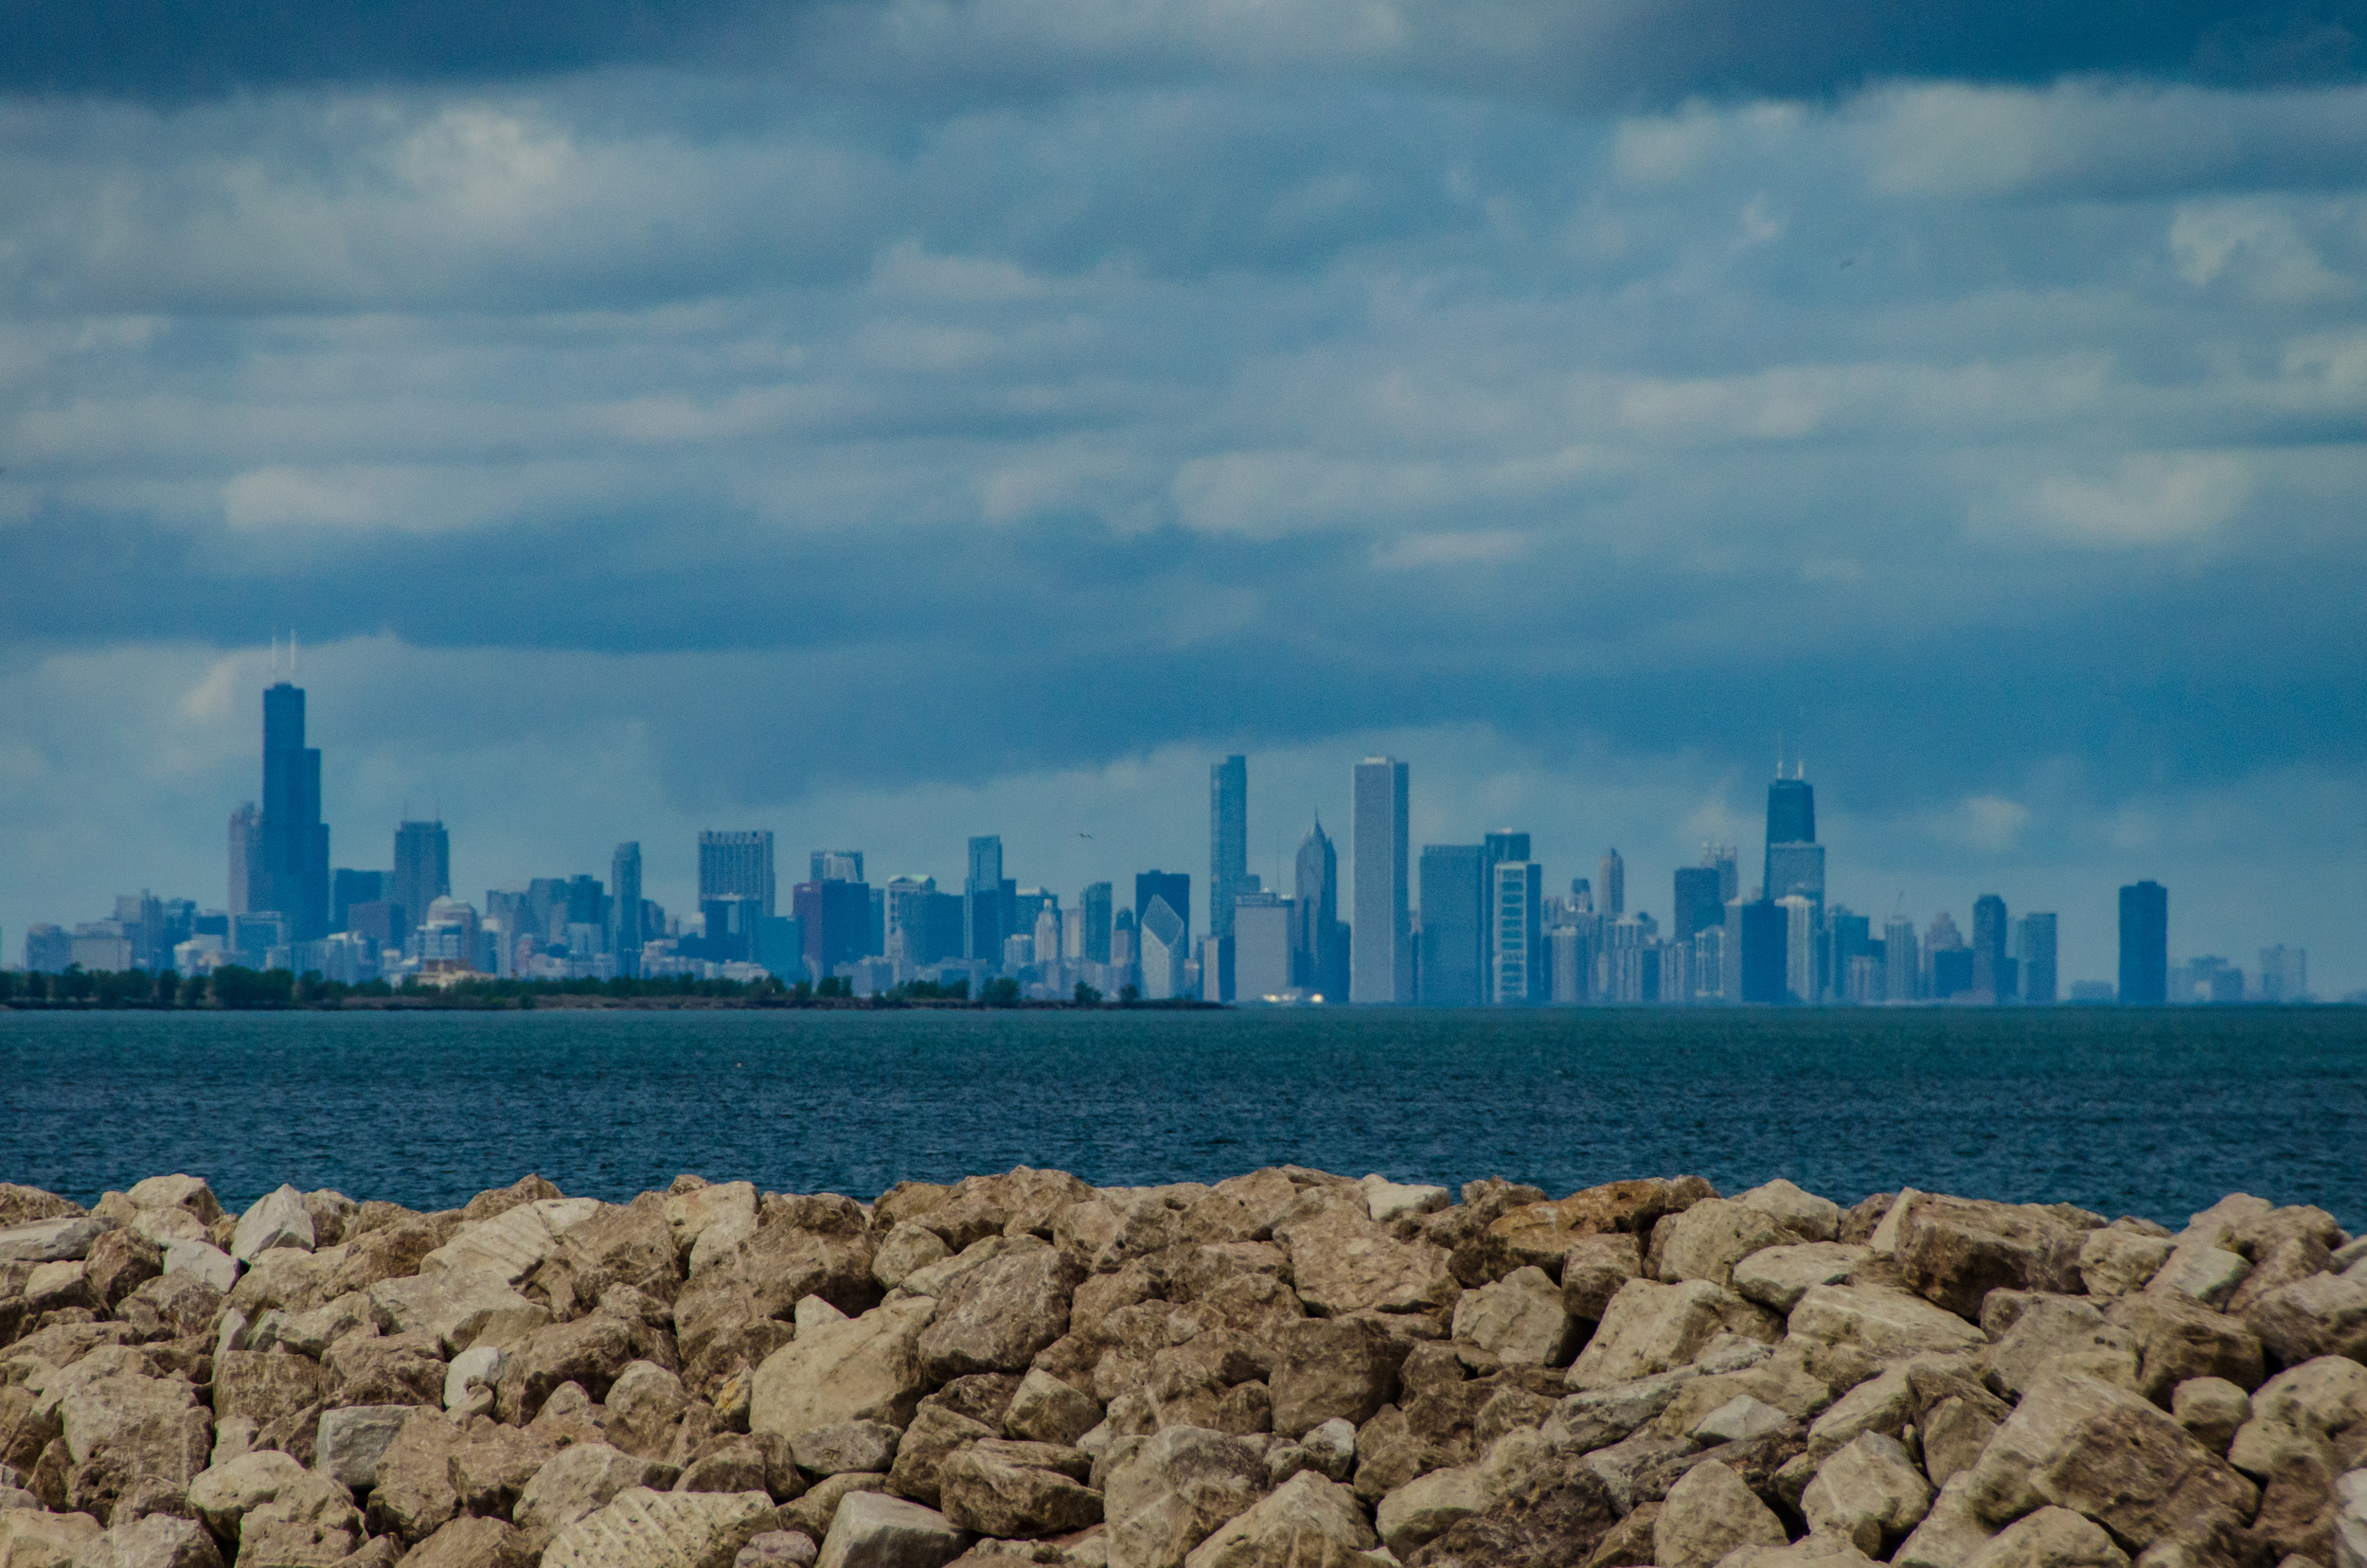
column 2146, row 1112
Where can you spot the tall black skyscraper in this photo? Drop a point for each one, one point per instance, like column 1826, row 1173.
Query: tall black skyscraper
column 2146, row 944
column 1698, row 903
column 1992, row 978
column 292, row 840
column 625, row 934
column 1454, row 922
column 1796, row 862
column 1228, row 841
column 737, row 864
column 422, row 871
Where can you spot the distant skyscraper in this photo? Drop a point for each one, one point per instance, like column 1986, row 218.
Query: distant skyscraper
column 1453, row 917
column 1990, row 982
column 984, row 917
column 1722, row 858
column 625, row 934
column 2284, row 973
column 422, row 872
column 1610, row 886
column 1495, row 848
column 1318, row 941
column 1902, row 962
column 1164, row 940
column 1228, row 841
column 836, row 865
column 1794, row 861
column 1800, row 933
column 737, row 864
column 1762, row 933
column 1698, row 901
column 1095, row 902
column 1174, row 886
column 1522, row 972
column 1381, row 968
column 348, row 887
column 246, row 860
column 2033, row 950
column 1261, row 946
column 294, row 840
column 2145, row 944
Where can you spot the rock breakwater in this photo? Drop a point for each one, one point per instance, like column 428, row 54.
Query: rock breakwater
column 1287, row 1369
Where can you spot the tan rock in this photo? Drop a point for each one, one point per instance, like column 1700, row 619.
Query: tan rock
column 1009, row 1489
column 2318, row 1408
column 1709, row 1239
column 1049, row 1411
column 1888, row 1324
column 471, row 1543
column 1539, row 1235
column 865, row 1368
column 1308, row 1519
column 1166, row 1494
column 1869, row 1493
column 936, row 1433
column 641, row 1529
column 2051, row 1537
column 1709, row 1513
column 1801, row 1212
column 35, row 1537
column 1020, row 1201
column 2056, row 1326
column 155, row 1540
column 1425, row 1508
column 1594, row 1268
column 2213, row 1410
column 2178, row 1339
column 576, row 1482
column 1343, row 1262
column 813, row 1512
column 512, row 1244
column 2200, row 1273
column 415, row 1494
column 1955, row 1251
column 909, row 1248
column 2321, row 1315
column 729, row 1210
column 876, row 1531
column 1001, row 1314
column 1519, row 1319
column 1776, row 1277
column 2120, row 1258
column 1651, row 1327
column 1951, row 1535
column 1332, row 1367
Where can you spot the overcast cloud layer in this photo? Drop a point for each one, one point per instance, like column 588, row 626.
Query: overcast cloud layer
column 888, row 422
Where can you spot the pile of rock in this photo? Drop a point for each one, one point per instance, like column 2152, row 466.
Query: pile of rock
column 1287, row 1369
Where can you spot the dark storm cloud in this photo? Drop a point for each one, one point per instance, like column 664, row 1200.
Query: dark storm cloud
column 1624, row 53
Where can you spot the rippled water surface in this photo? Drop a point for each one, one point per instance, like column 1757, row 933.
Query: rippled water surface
column 2141, row 1113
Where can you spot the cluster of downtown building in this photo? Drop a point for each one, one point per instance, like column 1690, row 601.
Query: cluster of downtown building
column 1485, row 932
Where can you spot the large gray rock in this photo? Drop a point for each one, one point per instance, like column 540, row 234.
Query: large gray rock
column 1649, row 1327
column 2200, row 1273
column 279, row 1219
column 1520, row 1320
column 1164, row 1494
column 862, row 1369
column 2122, row 1257
column 1001, row 1314
column 1955, row 1251
column 1385, row 1199
column 2321, row 1315
column 574, row 1484
column 351, row 1439
column 57, row 1240
column 1046, row 1410
column 1306, row 1520
column 1950, row 1534
column 1332, row 1367
column 121, row 1428
column 1777, row 1277
column 39, row 1539
column 1709, row 1513
column 873, row 1530
column 2213, row 1410
column 1709, row 1239
column 453, row 1305
column 1887, row 1325
column 1594, row 1268
column 201, row 1261
column 642, row 1528
column 2316, row 1411
column 470, row 1543
column 708, row 1222
column 1343, row 1262
column 1413, row 1515
column 155, row 1540
column 2350, row 1520
column 2051, row 1538
column 909, row 1249
column 846, row 1447
column 1011, row 1488
column 1869, row 1493
column 2051, row 1327
column 512, row 1243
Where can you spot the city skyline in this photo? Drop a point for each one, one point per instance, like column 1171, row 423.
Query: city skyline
column 2007, row 956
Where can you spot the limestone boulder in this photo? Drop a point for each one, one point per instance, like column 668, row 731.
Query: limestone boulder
column 1427, row 1507
column 576, row 1482
column 493, row 1463
column 620, row 1244
column 1739, row 1417
column 119, row 1428
column 1869, row 1493
column 1548, row 1513
column 155, row 1540
column 1709, row 1239
column 471, row 1543
column 846, row 1447
column 727, row 1210
column 1950, row 1534
column 1022, row 1201
column 309, row 1524
column 1812, row 1551
column 351, row 1439
column 279, row 1219
column 376, row 1370
column 201, row 1261
column 872, row 1530
column 777, row 1549
column 1001, row 1314
column 1594, row 1268
column 1305, row 1520
column 2051, row 1537
column 1046, row 1410
column 909, row 1248
column 645, row 1405
column 2054, row 1326
column 2213, row 1410
column 1166, row 1494
column 1887, row 1325
column 37, row 1537
column 1776, row 1277
column 1955, row 1251
column 2118, row 1259
column 415, row 1494
column 1597, row 1418
column 936, row 1433
column 1385, row 1199
column 1328, row 1368
column 2079, row 1442
column 512, row 1244
column 1342, row 1261
column 2324, row 1314
column 60, row 1239
column 1708, row 1514
column 1519, row 1319
column 591, row 1352
column 2178, row 1339
column 640, row 1528
column 452, row 1305
column 1012, row 1489
column 2318, row 1408
column 864, row 1368
column 1801, row 1212
column 2350, row 1520
column 1649, row 1327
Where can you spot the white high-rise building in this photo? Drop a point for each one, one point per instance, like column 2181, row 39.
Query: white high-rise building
column 1380, row 949
column 1165, row 949
column 1800, row 923
column 1902, row 960
column 1261, row 946
column 1516, row 922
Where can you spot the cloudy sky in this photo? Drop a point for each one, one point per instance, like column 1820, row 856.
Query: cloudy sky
column 888, row 421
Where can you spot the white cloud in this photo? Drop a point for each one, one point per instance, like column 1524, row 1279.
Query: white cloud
column 2150, row 498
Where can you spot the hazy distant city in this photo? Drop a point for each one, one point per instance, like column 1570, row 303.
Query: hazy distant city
column 1451, row 925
